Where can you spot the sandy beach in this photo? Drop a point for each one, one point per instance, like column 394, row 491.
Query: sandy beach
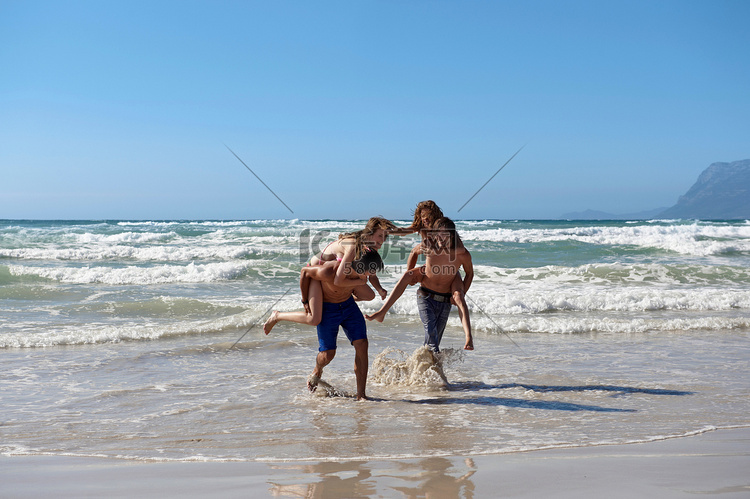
column 715, row 463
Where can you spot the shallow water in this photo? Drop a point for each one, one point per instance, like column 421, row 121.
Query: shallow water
column 182, row 401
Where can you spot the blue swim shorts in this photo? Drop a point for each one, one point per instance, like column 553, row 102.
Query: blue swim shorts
column 345, row 314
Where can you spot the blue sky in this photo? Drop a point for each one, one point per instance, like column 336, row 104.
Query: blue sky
column 349, row 109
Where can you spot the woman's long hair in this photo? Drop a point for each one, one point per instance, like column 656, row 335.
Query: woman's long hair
column 361, row 236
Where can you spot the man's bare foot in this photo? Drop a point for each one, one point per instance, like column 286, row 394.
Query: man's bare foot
column 312, row 382
column 362, row 397
column 377, row 316
column 271, row 322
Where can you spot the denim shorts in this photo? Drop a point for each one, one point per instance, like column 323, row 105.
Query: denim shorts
column 345, row 314
column 434, row 315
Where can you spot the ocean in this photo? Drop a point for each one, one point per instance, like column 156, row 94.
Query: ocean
column 143, row 340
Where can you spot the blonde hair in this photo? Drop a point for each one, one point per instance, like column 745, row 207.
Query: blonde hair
column 360, row 236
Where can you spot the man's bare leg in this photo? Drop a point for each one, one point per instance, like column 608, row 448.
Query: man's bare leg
column 321, row 360
column 361, row 364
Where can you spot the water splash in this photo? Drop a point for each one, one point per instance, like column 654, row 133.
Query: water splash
column 422, row 368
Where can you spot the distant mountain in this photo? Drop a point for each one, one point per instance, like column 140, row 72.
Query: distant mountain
column 722, row 192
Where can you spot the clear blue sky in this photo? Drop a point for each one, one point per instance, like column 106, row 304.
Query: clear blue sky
column 349, row 109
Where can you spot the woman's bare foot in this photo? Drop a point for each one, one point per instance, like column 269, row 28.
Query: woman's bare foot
column 469, row 344
column 271, row 322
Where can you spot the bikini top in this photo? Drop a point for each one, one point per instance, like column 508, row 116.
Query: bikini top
column 320, row 259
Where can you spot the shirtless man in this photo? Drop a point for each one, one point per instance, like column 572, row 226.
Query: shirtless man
column 339, row 309
column 445, row 255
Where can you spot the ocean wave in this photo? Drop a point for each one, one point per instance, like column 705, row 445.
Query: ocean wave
column 166, row 317
column 175, row 241
column 45, row 335
column 618, row 274
column 122, row 237
column 80, row 335
column 580, row 325
column 176, row 253
column 532, row 298
column 157, row 307
column 159, row 274
column 695, row 239
column 593, row 300
column 182, row 223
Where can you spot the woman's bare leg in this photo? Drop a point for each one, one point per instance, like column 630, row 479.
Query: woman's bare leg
column 314, row 296
column 458, row 299
column 363, row 293
column 409, row 278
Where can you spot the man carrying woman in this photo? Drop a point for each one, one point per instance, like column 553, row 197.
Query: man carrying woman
column 329, row 285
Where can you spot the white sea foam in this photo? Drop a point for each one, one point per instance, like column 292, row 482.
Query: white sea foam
column 595, row 312
column 148, row 253
column 155, row 247
column 598, row 287
column 204, row 223
column 158, row 274
column 616, row 325
column 161, row 317
column 591, row 299
column 695, row 239
column 394, row 367
column 123, row 237
column 83, row 334
column 617, row 274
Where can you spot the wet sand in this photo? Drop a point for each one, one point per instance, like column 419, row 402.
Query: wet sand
column 715, row 463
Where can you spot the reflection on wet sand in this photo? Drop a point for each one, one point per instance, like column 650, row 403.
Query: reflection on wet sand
column 434, row 477
column 325, row 480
